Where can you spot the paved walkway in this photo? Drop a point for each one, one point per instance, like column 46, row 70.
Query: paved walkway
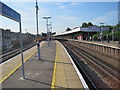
column 55, row 70
column 65, row 74
column 38, row 72
column 111, row 43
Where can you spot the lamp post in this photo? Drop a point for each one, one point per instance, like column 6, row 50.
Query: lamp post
column 88, row 36
column 51, row 29
column 119, row 35
column 112, row 34
column 38, row 43
column 48, row 31
column 101, row 32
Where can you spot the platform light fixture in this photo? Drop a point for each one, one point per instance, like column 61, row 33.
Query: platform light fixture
column 8, row 12
column 101, row 31
column 51, row 29
column 38, row 43
column 48, row 32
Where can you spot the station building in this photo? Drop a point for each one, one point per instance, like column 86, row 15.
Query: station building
column 45, row 35
column 9, row 39
column 81, row 33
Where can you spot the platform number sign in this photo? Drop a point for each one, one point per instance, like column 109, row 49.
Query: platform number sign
column 13, row 15
column 9, row 12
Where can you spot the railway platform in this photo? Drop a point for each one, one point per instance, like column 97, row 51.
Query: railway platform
column 55, row 69
column 114, row 44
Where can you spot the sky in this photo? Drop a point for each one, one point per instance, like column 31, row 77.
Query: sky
column 64, row 14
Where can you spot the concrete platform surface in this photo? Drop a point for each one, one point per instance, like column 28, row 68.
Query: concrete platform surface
column 38, row 72
column 55, row 69
column 65, row 74
column 110, row 44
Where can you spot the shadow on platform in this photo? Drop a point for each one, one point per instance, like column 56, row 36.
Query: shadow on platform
column 46, row 83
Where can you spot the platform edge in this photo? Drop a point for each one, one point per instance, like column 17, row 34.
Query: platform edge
column 77, row 71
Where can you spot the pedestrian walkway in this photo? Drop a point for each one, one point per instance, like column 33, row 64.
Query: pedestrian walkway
column 38, row 73
column 111, row 43
column 114, row 44
column 65, row 74
column 11, row 65
column 55, row 69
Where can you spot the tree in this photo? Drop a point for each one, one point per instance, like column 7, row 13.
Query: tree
column 89, row 24
column 116, row 32
column 68, row 29
column 84, row 24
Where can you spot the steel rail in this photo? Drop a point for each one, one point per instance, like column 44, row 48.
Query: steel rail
column 86, row 77
column 99, row 64
column 13, row 53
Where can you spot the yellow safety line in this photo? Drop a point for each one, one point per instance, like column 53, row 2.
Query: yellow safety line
column 54, row 72
column 17, row 67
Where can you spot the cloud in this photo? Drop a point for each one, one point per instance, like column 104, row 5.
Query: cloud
column 58, row 3
column 62, row 7
column 70, row 18
column 108, row 18
column 16, row 4
column 65, row 6
column 74, row 3
column 27, row 16
column 60, row 0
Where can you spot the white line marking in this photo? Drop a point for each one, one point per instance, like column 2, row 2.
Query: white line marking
column 79, row 74
column 21, row 78
column 35, row 75
column 17, row 56
column 20, row 54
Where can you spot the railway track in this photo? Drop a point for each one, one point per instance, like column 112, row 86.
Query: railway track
column 13, row 53
column 107, row 74
column 86, row 77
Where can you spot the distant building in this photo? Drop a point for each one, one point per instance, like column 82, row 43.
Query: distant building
column 81, row 33
column 44, row 35
column 90, row 29
column 94, row 28
column 10, row 39
column 15, row 36
column 6, row 38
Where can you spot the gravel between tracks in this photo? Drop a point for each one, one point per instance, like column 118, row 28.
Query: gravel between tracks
column 96, row 78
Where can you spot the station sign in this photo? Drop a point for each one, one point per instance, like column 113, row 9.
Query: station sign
column 9, row 12
column 12, row 14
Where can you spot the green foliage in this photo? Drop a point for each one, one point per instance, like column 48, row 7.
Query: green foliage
column 114, row 30
column 87, row 24
column 96, row 35
column 90, row 24
column 68, row 29
column 84, row 25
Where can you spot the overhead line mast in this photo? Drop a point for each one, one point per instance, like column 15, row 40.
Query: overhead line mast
column 38, row 43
